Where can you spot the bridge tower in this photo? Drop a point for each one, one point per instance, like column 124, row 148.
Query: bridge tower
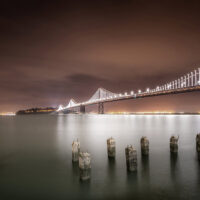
column 101, row 94
column 100, row 108
column 82, row 109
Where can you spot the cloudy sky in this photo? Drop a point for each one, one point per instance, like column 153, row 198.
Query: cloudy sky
column 51, row 51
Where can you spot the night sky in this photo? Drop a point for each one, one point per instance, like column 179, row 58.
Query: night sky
column 51, row 51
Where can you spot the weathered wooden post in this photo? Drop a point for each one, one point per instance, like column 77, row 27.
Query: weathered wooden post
column 111, row 147
column 84, row 165
column 198, row 143
column 131, row 158
column 144, row 146
column 75, row 150
column 174, row 144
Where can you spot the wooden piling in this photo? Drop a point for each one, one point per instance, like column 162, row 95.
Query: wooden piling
column 75, row 151
column 131, row 158
column 111, row 147
column 84, row 165
column 198, row 143
column 174, row 144
column 144, row 146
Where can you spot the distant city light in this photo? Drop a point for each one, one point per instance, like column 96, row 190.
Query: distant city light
column 7, row 114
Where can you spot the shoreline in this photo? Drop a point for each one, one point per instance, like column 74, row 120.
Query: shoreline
column 50, row 113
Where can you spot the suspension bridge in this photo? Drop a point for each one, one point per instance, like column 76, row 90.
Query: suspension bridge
column 187, row 83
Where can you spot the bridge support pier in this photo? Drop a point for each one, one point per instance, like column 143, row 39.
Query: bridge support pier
column 82, row 109
column 100, row 108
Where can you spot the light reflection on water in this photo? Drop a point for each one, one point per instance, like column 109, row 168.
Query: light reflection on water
column 35, row 154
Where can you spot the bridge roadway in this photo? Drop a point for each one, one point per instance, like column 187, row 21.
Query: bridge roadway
column 134, row 96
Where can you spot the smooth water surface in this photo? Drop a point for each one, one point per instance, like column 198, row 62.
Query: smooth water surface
column 35, row 157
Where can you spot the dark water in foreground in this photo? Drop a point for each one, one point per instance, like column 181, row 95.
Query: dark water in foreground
column 35, row 157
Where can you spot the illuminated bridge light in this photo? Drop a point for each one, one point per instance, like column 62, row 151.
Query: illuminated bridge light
column 185, row 82
column 60, row 108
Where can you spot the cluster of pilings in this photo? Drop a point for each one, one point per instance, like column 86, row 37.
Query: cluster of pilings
column 84, row 158
column 130, row 152
column 174, row 145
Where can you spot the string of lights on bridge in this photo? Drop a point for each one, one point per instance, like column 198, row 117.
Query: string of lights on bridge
column 189, row 80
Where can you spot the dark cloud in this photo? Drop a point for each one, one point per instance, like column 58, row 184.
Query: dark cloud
column 85, row 79
column 52, row 51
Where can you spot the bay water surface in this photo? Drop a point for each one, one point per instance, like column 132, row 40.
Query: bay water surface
column 35, row 157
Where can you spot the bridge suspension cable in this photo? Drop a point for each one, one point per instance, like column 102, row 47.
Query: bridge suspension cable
column 185, row 82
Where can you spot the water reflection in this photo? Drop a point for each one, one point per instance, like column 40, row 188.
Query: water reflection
column 75, row 169
column 174, row 168
column 111, row 168
column 173, row 165
column 132, row 184
column 85, row 189
column 159, row 173
column 132, row 178
column 145, row 169
column 198, row 167
column 198, row 156
column 83, row 186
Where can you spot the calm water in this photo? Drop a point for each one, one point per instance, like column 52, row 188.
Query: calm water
column 35, row 157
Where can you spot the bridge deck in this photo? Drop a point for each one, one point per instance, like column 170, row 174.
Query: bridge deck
column 141, row 95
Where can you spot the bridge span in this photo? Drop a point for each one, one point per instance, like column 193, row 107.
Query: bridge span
column 187, row 83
